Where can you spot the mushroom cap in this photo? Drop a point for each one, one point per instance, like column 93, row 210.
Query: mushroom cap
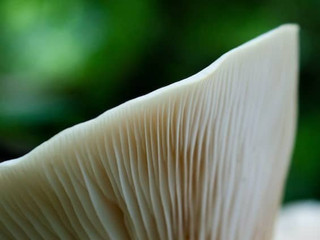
column 203, row 158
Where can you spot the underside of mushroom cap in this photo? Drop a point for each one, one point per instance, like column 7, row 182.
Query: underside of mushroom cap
column 203, row 158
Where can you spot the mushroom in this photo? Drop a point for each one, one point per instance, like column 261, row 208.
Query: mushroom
column 298, row 221
column 203, row 158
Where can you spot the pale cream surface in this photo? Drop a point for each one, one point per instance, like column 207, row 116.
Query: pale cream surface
column 298, row 221
column 204, row 158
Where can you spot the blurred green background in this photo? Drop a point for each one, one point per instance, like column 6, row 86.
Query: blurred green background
column 65, row 61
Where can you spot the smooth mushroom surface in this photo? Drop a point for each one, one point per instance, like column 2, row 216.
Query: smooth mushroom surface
column 203, row 158
column 298, row 221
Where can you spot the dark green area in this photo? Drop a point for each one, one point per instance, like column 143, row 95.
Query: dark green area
column 64, row 62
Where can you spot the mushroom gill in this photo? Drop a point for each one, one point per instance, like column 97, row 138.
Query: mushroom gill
column 203, row 158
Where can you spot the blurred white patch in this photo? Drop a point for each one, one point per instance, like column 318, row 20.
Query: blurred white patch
column 299, row 221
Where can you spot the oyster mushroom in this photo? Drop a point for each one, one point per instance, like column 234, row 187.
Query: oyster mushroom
column 203, row 158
